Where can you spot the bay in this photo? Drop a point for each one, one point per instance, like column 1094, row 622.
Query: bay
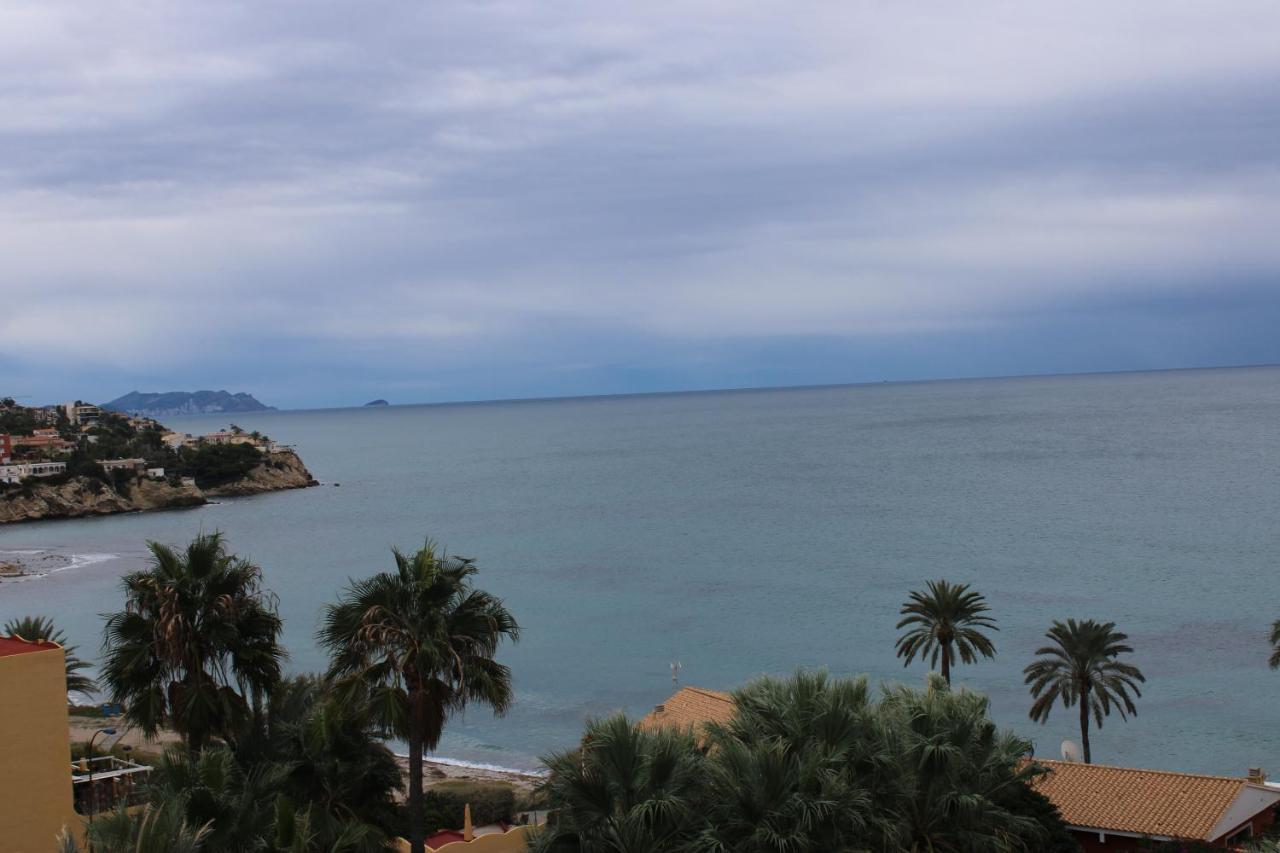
column 760, row 531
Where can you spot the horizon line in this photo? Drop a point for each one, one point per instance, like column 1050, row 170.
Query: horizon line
column 754, row 388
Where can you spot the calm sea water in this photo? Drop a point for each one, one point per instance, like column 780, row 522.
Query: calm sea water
column 755, row 532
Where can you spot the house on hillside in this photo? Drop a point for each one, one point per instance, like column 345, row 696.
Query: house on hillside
column 1121, row 809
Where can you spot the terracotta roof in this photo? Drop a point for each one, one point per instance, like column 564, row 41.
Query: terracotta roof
column 19, row 646
column 1145, row 802
column 690, row 707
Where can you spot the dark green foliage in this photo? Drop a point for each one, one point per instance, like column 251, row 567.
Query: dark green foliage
column 419, row 644
column 42, row 628
column 80, row 464
column 334, row 761
column 154, row 829
column 625, row 790
column 807, row 763
column 218, row 464
column 196, row 644
column 949, row 620
column 491, row 802
column 1081, row 667
column 17, row 421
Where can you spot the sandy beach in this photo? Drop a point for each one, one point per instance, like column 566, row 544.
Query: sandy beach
column 435, row 772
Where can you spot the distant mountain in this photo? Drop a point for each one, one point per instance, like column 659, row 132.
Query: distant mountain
column 155, row 405
column 377, row 403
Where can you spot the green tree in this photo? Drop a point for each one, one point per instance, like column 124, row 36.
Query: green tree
column 1082, row 666
column 196, row 644
column 959, row 779
column 422, row 642
column 335, row 768
column 794, row 769
column 808, row 763
column 42, row 628
column 1275, row 645
column 624, row 790
column 154, row 829
column 947, row 620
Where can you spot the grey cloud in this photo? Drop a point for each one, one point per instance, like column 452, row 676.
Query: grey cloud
column 478, row 181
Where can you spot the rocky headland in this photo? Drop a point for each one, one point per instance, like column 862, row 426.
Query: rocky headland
column 78, row 497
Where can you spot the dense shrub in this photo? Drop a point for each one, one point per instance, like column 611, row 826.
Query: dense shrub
column 805, row 764
column 491, row 802
column 217, row 464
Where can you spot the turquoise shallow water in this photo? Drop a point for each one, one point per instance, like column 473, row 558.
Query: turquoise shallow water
column 752, row 532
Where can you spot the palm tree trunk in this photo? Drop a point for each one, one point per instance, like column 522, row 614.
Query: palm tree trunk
column 946, row 663
column 1084, row 726
column 417, row 829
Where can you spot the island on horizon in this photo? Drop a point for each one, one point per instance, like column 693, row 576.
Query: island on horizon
column 378, row 402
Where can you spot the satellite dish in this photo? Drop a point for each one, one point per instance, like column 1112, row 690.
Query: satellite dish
column 1070, row 752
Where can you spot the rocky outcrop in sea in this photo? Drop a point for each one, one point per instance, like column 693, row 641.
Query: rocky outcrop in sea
column 85, row 496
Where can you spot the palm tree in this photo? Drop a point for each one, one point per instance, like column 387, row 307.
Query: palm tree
column 793, row 769
column 344, row 778
column 625, row 790
column 1082, row 666
column 961, row 783
column 1275, row 645
column 420, row 643
column 947, row 620
column 42, row 628
column 155, row 829
column 196, row 644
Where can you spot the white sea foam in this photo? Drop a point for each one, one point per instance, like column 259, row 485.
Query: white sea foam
column 475, row 765
column 74, row 561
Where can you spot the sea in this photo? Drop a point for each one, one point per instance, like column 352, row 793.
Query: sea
column 742, row 533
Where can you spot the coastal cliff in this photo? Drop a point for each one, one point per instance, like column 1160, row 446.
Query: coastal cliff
column 278, row 471
column 85, row 496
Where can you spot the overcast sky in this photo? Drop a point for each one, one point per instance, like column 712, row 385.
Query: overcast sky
column 322, row 203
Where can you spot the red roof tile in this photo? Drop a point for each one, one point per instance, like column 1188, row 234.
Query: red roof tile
column 18, row 646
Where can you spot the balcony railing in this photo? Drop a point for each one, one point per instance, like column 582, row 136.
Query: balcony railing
column 103, row 783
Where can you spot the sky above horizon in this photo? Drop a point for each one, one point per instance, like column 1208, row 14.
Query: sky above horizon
column 323, row 203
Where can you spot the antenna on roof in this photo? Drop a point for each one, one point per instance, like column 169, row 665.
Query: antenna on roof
column 1070, row 752
column 676, row 666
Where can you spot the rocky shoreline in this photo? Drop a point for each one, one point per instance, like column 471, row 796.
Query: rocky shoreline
column 84, row 496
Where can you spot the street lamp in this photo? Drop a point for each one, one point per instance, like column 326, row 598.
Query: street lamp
column 93, row 795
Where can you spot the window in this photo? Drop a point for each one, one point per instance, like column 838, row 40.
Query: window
column 1240, row 835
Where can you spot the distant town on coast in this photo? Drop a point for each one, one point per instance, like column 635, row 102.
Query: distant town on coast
column 78, row 459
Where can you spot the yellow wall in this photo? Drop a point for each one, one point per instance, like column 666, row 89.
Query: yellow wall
column 512, row 841
column 35, row 754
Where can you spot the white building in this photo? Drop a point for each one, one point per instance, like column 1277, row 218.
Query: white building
column 82, row 414
column 155, row 473
column 18, row 473
column 174, row 440
column 123, row 464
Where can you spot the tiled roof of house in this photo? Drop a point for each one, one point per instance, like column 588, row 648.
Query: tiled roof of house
column 1145, row 802
column 690, row 707
column 19, row 646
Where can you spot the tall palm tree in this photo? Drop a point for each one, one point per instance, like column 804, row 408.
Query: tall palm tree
column 1082, row 666
column 196, row 644
column 42, row 628
column 947, row 620
column 1275, row 645
column 420, row 643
